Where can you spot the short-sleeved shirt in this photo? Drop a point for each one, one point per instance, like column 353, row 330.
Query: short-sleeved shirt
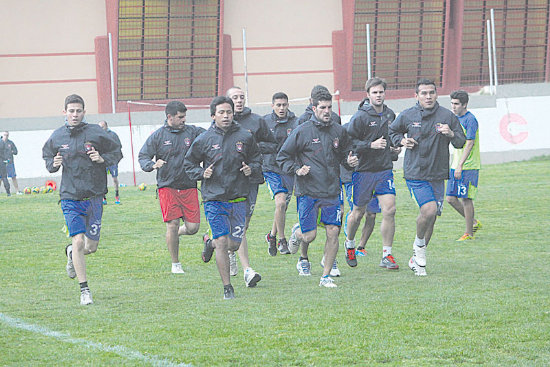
column 471, row 129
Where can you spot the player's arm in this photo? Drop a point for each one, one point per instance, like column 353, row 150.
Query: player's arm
column 193, row 159
column 458, row 139
column 147, row 153
column 254, row 157
column 266, row 140
column 51, row 156
column 287, row 154
column 110, row 149
column 397, row 130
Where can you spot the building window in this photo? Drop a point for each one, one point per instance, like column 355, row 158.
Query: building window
column 407, row 39
column 521, row 31
column 168, row 49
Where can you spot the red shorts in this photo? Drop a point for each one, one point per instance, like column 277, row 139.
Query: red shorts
column 176, row 204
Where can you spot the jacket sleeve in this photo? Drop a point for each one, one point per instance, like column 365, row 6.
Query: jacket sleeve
column 193, row 159
column 397, row 130
column 48, row 152
column 110, row 149
column 286, row 158
column 147, row 152
column 255, row 157
column 13, row 148
column 459, row 139
column 348, row 144
column 265, row 138
column 354, row 131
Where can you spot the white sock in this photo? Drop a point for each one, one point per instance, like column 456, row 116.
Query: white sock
column 386, row 250
column 350, row 243
column 174, row 264
column 419, row 242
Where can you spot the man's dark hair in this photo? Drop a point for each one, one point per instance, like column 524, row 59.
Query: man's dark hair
column 424, row 81
column 218, row 101
column 461, row 95
column 279, row 95
column 317, row 89
column 373, row 82
column 320, row 96
column 173, row 107
column 74, row 98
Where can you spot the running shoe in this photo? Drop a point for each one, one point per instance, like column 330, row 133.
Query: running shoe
column 177, row 269
column 418, row 270
column 388, row 262
column 419, row 255
column 251, row 278
column 465, row 237
column 86, row 297
column 233, row 268
column 272, row 243
column 293, row 241
column 327, row 282
column 334, row 271
column 283, row 247
column 361, row 251
column 477, row 226
column 228, row 292
column 70, row 266
column 350, row 257
column 208, row 249
column 117, row 200
column 304, row 268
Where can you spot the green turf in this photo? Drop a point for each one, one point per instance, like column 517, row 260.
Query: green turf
column 484, row 302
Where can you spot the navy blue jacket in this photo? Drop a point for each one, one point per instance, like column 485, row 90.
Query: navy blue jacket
column 227, row 151
column 321, row 146
column 9, row 150
column 429, row 160
column 81, row 178
column 281, row 130
column 170, row 145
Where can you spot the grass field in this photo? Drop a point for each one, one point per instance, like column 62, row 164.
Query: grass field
column 485, row 302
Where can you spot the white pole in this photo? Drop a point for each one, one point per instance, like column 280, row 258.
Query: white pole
column 245, row 70
column 494, row 48
column 369, row 70
column 490, row 56
column 111, row 71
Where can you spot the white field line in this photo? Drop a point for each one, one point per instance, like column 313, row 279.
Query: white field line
column 64, row 337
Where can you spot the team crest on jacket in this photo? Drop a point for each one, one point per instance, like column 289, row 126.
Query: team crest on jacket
column 416, row 124
column 167, row 142
column 336, row 143
column 64, row 146
column 215, row 146
column 372, row 123
column 187, row 142
column 239, row 146
column 316, row 141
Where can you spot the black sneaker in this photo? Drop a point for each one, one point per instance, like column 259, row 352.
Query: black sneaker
column 272, row 242
column 283, row 247
column 208, row 249
column 228, row 292
column 350, row 257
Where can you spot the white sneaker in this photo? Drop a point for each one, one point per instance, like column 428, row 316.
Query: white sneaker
column 419, row 271
column 419, row 255
column 251, row 278
column 327, row 282
column 233, row 269
column 304, row 268
column 177, row 269
column 70, row 266
column 86, row 297
column 293, row 241
column 334, row 272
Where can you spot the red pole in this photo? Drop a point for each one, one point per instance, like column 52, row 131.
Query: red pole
column 131, row 143
column 338, row 99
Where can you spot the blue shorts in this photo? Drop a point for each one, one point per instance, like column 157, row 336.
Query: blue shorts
column 83, row 216
column 226, row 218
column 10, row 168
column 113, row 170
column 372, row 207
column 466, row 187
column 308, row 212
column 277, row 183
column 368, row 184
column 251, row 199
column 425, row 191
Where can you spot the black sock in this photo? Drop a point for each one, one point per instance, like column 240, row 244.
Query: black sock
column 83, row 286
column 116, row 192
column 360, row 248
column 303, row 258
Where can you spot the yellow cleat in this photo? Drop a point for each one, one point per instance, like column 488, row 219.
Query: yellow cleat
column 465, row 237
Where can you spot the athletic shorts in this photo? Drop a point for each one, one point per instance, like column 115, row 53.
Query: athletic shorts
column 372, row 207
column 113, row 170
column 182, row 204
column 10, row 168
column 368, row 184
column 226, row 218
column 308, row 212
column 425, row 191
column 466, row 187
column 251, row 199
column 83, row 216
column 277, row 183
